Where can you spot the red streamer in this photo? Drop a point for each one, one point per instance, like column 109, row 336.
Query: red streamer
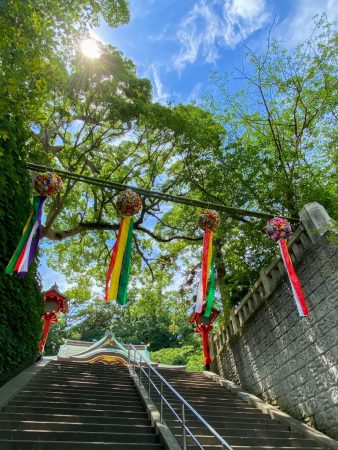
column 295, row 283
column 204, row 330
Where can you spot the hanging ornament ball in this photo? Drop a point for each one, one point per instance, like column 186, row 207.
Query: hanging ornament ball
column 128, row 203
column 208, row 220
column 48, row 183
column 278, row 228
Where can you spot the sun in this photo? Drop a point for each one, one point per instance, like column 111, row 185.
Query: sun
column 90, row 48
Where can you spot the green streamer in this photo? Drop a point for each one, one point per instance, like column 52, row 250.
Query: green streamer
column 125, row 271
column 210, row 294
column 10, row 267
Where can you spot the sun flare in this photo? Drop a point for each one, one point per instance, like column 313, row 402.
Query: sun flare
column 90, row 48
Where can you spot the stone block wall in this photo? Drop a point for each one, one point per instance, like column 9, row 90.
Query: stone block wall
column 288, row 361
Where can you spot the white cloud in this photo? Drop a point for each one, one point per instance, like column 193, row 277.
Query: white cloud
column 296, row 30
column 211, row 25
column 160, row 95
column 195, row 94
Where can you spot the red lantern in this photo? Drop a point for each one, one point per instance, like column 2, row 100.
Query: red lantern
column 54, row 302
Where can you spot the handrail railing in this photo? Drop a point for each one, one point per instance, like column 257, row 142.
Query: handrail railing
column 147, row 369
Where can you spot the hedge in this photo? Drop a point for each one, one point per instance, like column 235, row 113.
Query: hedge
column 20, row 299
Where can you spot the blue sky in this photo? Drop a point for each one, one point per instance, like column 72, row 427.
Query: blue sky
column 178, row 43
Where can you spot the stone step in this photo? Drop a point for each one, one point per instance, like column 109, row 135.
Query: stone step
column 214, row 397
column 253, row 447
column 242, row 432
column 62, row 398
column 79, row 411
column 82, row 369
column 252, row 418
column 87, row 369
column 49, row 403
column 252, row 441
column 205, row 395
column 84, row 419
column 77, row 393
column 194, row 386
column 55, row 445
column 44, row 380
column 226, row 414
column 210, row 407
column 84, row 374
column 63, row 376
column 81, row 389
column 216, row 400
column 84, row 385
column 79, row 436
column 234, row 425
column 75, row 426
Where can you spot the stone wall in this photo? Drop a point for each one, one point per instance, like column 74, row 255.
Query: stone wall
column 288, row 361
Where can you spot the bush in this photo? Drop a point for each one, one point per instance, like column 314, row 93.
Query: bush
column 182, row 356
column 195, row 363
column 20, row 299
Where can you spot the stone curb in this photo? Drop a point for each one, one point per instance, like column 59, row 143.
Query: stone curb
column 16, row 384
column 167, row 438
column 275, row 413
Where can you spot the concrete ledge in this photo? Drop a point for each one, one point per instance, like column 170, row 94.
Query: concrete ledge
column 16, row 384
column 275, row 413
column 167, row 438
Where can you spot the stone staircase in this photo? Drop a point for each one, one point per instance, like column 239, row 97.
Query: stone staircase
column 242, row 425
column 70, row 406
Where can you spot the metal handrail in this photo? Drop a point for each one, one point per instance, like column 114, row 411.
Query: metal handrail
column 184, row 404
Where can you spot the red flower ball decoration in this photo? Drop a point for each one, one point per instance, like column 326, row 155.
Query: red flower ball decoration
column 278, row 228
column 48, row 183
column 128, row 203
column 208, row 220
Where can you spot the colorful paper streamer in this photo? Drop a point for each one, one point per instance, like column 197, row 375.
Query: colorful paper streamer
column 119, row 267
column 279, row 229
column 296, row 287
column 205, row 270
column 26, row 250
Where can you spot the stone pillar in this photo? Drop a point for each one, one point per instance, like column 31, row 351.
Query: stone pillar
column 315, row 219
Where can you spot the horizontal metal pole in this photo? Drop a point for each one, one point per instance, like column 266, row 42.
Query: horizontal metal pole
column 159, row 195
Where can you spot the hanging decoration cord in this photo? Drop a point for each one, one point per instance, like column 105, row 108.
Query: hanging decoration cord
column 159, row 195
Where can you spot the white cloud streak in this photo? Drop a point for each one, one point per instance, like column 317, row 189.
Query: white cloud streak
column 160, row 95
column 299, row 27
column 211, row 25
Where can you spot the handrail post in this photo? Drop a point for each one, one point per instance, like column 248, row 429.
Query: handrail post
column 183, row 428
column 148, row 381
column 139, row 376
column 161, row 411
column 134, row 361
column 129, row 354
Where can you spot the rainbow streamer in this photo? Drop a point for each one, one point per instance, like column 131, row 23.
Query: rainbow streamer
column 205, row 271
column 119, row 267
column 28, row 245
